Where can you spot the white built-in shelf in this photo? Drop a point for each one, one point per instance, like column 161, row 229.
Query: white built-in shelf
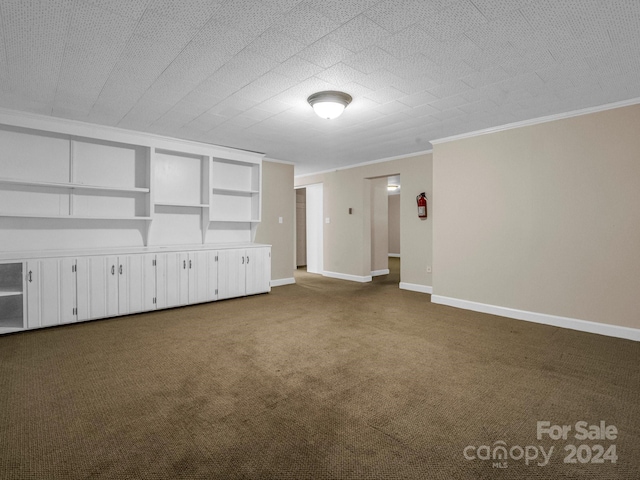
column 73, row 186
column 229, row 191
column 10, row 293
column 233, row 220
column 186, row 205
column 52, row 173
column 70, row 217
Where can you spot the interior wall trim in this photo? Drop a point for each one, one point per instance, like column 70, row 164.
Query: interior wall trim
column 543, row 318
column 536, row 121
column 414, row 287
column 369, row 162
column 346, row 276
column 275, row 160
column 283, row 281
column 377, row 273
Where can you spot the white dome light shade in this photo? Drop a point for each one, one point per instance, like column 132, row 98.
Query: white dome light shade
column 329, row 104
column 328, row 110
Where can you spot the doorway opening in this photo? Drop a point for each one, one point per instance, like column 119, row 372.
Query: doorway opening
column 309, row 228
column 301, row 228
column 385, row 228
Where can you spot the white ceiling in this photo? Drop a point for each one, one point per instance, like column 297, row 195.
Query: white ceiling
column 238, row 73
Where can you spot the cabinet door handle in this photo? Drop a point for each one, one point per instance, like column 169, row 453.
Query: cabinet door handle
column 247, row 259
column 113, row 269
column 120, row 269
column 184, row 264
column 189, row 264
column 30, row 278
column 243, row 259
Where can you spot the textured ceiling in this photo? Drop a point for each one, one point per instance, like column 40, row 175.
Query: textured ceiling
column 238, row 72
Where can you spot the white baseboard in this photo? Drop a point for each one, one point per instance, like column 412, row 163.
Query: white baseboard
column 396, row 255
column 377, row 273
column 414, row 287
column 346, row 276
column 563, row 322
column 283, row 281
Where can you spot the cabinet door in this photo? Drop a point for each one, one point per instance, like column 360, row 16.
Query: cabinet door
column 161, row 280
column 113, row 275
column 231, row 273
column 258, row 261
column 98, row 274
column 213, row 276
column 33, row 294
column 43, row 293
column 183, row 280
column 201, row 265
column 194, row 282
column 131, row 287
column 68, row 294
column 83, row 301
column 123, row 286
column 172, row 273
column 149, row 272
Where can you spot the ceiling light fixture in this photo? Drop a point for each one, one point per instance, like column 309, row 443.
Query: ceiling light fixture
column 391, row 187
column 329, row 104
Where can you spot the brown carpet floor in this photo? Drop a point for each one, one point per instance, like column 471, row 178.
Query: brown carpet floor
column 324, row 379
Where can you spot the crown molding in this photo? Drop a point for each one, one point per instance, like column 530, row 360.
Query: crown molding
column 536, row 121
column 274, row 160
column 370, row 162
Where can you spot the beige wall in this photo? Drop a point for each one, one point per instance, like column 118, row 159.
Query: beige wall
column 394, row 223
column 544, row 218
column 278, row 200
column 347, row 239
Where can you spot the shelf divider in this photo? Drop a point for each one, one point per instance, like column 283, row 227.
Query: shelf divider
column 71, row 186
column 234, row 192
column 69, row 217
column 186, row 205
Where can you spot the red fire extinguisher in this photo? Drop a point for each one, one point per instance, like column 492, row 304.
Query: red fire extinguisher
column 422, row 205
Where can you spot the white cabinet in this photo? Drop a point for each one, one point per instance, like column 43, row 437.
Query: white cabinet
column 172, row 279
column 113, row 274
column 92, row 278
column 186, row 277
column 244, row 272
column 11, row 296
column 258, row 277
column 68, row 292
column 231, row 273
column 131, row 284
column 203, row 276
column 43, row 293
column 81, row 291
column 52, row 291
column 130, row 290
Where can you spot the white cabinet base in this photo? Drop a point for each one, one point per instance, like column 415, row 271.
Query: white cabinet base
column 73, row 288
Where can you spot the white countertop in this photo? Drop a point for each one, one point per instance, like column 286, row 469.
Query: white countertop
column 13, row 256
